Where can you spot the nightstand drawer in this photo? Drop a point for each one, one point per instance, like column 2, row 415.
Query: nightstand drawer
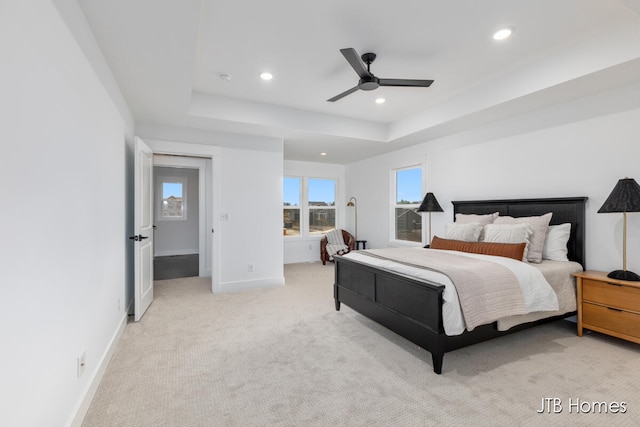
column 612, row 295
column 621, row 322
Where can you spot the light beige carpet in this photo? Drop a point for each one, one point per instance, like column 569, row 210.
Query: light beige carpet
column 285, row 357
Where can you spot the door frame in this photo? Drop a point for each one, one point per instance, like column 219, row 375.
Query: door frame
column 199, row 164
column 213, row 182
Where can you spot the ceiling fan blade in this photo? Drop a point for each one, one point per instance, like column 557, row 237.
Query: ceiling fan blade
column 405, row 82
column 356, row 63
column 343, row 94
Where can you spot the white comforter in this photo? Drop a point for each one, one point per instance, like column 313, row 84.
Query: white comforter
column 538, row 295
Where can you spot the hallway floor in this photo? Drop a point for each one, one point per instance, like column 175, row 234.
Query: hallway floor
column 175, row 266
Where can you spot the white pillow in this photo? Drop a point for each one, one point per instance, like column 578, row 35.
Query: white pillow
column 509, row 233
column 555, row 244
column 539, row 225
column 466, row 232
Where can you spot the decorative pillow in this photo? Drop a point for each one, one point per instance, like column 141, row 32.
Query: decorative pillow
column 480, row 219
column 509, row 233
column 539, row 225
column 467, row 232
column 507, row 250
column 476, row 219
column 555, row 244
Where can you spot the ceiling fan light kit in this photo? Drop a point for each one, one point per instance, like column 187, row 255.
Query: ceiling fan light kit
column 368, row 81
column 503, row 33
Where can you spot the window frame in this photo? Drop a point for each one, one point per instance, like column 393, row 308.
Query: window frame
column 305, row 209
column 393, row 198
column 172, row 180
column 311, row 208
column 298, row 207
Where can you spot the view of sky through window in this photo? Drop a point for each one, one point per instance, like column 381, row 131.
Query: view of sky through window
column 171, row 189
column 322, row 190
column 409, row 186
column 291, row 191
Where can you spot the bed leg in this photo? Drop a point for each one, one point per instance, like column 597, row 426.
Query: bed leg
column 337, row 304
column 437, row 362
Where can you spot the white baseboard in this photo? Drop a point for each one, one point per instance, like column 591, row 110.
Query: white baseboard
column 92, row 387
column 251, row 284
column 176, row 252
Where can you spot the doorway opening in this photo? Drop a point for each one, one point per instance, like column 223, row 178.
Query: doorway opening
column 176, row 222
column 179, row 217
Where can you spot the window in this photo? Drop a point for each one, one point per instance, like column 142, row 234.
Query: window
column 309, row 205
column 322, row 205
column 291, row 212
column 407, row 198
column 173, row 198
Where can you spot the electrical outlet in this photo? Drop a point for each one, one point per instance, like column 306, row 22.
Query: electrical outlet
column 82, row 363
column 250, row 268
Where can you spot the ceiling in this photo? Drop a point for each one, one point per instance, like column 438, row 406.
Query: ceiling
column 167, row 57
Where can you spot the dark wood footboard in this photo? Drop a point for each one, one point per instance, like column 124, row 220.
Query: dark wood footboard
column 409, row 307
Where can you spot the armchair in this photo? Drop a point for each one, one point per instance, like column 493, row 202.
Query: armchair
column 348, row 238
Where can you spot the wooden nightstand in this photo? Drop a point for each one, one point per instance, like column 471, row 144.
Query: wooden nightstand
column 608, row 306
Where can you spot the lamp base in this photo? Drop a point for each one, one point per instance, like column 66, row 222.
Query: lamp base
column 624, row 275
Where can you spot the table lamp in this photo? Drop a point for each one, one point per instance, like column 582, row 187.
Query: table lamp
column 624, row 198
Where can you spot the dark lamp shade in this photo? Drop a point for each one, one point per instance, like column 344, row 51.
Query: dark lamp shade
column 430, row 204
column 625, row 197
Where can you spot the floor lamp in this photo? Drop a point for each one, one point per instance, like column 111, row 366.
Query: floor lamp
column 430, row 204
column 353, row 203
column 624, row 198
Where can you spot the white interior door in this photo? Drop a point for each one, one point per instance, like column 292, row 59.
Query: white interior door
column 143, row 226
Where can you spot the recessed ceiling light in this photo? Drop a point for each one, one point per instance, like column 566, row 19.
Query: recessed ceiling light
column 323, row 154
column 503, row 33
column 380, row 100
column 266, row 76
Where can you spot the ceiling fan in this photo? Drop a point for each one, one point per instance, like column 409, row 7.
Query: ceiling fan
column 367, row 80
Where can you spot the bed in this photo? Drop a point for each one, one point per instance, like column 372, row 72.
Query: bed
column 413, row 307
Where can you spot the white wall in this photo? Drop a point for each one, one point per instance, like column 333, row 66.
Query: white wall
column 580, row 148
column 63, row 183
column 250, row 219
column 307, row 248
column 177, row 237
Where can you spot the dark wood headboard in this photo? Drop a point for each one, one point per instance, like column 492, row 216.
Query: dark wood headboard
column 565, row 209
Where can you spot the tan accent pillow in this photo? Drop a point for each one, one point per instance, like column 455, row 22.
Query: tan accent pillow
column 507, row 250
column 479, row 219
column 476, row 219
column 539, row 225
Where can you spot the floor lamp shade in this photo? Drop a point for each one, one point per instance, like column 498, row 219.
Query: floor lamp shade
column 430, row 204
column 624, row 198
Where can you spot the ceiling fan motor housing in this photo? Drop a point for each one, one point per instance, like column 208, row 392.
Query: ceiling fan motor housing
column 371, row 83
